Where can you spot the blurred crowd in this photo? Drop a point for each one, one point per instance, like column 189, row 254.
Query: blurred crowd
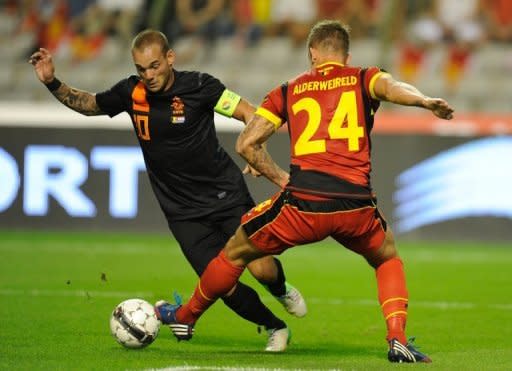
column 462, row 26
column 82, row 25
column 80, row 29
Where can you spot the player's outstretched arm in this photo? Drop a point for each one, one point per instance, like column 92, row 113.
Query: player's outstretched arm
column 250, row 146
column 78, row 100
column 388, row 89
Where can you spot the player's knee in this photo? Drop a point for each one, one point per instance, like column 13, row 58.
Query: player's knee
column 385, row 252
column 264, row 270
column 257, row 269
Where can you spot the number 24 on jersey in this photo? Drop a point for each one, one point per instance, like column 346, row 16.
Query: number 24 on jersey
column 346, row 111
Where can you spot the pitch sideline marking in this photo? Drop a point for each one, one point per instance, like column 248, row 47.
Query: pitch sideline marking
column 224, row 368
column 444, row 305
column 77, row 293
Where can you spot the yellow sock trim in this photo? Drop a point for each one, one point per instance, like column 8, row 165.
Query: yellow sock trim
column 395, row 313
column 393, row 299
column 202, row 293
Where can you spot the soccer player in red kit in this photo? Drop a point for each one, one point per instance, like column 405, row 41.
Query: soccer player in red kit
column 330, row 113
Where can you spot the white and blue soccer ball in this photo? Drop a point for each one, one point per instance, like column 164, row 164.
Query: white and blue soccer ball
column 134, row 324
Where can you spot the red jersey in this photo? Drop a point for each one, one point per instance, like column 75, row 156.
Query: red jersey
column 330, row 112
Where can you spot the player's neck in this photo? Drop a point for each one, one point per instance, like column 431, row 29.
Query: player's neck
column 328, row 59
column 170, row 81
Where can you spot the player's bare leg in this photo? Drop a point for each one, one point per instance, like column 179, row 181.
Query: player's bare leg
column 264, row 269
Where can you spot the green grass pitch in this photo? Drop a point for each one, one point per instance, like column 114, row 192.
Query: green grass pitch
column 57, row 291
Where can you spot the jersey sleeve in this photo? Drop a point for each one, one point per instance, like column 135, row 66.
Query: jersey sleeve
column 372, row 74
column 272, row 108
column 114, row 100
column 211, row 90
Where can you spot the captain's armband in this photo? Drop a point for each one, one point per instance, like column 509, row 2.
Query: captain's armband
column 227, row 103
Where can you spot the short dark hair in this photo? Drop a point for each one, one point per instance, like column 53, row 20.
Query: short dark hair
column 149, row 37
column 330, row 35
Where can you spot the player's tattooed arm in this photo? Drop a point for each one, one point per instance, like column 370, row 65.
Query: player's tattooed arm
column 78, row 100
column 250, row 146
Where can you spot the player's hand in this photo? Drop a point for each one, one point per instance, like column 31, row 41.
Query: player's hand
column 43, row 65
column 250, row 170
column 440, row 108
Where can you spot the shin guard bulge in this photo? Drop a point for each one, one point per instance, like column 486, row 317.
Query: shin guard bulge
column 219, row 277
column 393, row 297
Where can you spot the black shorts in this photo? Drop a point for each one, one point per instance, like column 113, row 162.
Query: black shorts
column 202, row 239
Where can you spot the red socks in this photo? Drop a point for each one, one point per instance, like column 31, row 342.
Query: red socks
column 393, row 297
column 219, row 277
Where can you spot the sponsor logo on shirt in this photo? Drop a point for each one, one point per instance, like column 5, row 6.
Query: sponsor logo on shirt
column 177, row 111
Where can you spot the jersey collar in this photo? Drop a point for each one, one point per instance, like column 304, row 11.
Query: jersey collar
column 329, row 63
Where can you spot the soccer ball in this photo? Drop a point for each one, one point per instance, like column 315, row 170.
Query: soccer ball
column 133, row 323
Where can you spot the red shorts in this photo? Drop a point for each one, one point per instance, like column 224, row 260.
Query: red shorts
column 285, row 221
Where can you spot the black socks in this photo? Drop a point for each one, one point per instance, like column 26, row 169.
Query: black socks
column 247, row 304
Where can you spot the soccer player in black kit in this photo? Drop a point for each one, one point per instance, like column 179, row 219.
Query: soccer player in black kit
column 198, row 186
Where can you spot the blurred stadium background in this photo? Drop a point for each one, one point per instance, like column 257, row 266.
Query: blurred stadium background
column 435, row 180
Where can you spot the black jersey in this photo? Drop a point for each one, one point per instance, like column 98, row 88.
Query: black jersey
column 191, row 174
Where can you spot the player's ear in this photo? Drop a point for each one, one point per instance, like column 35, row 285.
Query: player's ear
column 170, row 56
column 313, row 55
